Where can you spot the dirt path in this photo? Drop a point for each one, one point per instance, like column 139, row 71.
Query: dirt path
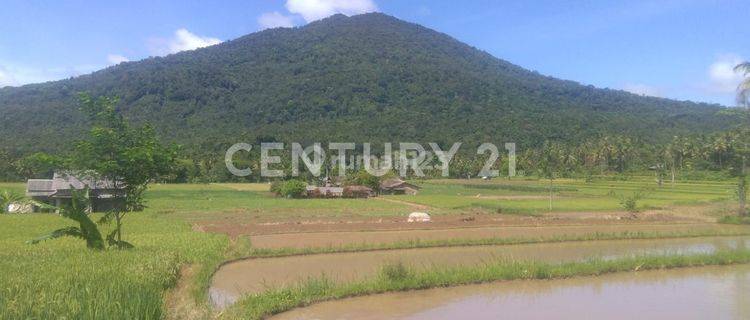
column 516, row 197
column 179, row 302
column 415, row 206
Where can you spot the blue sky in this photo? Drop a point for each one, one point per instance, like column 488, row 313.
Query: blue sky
column 677, row 49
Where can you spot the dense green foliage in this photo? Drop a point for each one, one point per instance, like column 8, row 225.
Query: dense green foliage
column 363, row 78
column 292, row 189
column 363, row 178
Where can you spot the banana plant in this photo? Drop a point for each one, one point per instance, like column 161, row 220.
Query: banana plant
column 76, row 210
column 7, row 198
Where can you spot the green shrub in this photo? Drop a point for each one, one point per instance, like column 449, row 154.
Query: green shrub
column 630, row 203
column 293, row 189
column 735, row 220
column 364, row 178
column 395, row 271
column 276, row 186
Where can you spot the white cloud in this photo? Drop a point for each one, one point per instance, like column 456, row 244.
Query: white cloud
column 116, row 59
column 16, row 75
column 312, row 10
column 643, row 89
column 721, row 74
column 6, row 78
column 274, row 20
column 182, row 40
column 185, row 40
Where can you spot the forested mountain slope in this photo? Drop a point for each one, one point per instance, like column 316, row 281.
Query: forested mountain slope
column 369, row 77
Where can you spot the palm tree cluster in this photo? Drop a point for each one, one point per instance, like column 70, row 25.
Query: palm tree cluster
column 620, row 154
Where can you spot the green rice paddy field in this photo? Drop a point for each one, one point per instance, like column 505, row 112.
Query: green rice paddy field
column 62, row 279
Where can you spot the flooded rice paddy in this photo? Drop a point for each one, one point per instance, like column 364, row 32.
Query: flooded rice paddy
column 693, row 293
column 235, row 279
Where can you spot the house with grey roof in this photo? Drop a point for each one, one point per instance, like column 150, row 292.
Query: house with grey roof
column 324, row 192
column 398, row 186
column 104, row 194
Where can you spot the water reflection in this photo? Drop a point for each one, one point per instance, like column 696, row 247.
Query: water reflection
column 697, row 293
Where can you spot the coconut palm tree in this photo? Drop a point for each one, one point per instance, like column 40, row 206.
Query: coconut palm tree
column 743, row 90
column 743, row 98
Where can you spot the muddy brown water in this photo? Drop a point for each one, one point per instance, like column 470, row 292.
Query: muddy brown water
column 692, row 293
column 235, row 279
column 326, row 239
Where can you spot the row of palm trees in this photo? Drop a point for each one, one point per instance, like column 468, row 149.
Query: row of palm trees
column 621, row 154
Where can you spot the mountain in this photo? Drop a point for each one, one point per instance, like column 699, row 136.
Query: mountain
column 363, row 78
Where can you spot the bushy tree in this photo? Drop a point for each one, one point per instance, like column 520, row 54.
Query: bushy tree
column 130, row 157
column 293, row 189
column 364, row 178
column 38, row 165
column 552, row 162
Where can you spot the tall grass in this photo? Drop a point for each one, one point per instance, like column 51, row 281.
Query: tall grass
column 395, row 278
column 62, row 279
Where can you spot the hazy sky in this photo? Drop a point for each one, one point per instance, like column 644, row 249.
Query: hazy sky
column 678, row 49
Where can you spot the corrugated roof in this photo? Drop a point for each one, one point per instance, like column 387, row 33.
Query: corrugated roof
column 396, row 183
column 39, row 187
column 62, row 183
column 68, row 181
column 390, row 183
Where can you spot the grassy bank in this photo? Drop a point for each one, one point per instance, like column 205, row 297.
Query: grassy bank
column 399, row 278
column 735, row 220
column 415, row 244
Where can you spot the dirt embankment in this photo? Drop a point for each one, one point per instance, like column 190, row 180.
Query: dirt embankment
column 244, row 226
